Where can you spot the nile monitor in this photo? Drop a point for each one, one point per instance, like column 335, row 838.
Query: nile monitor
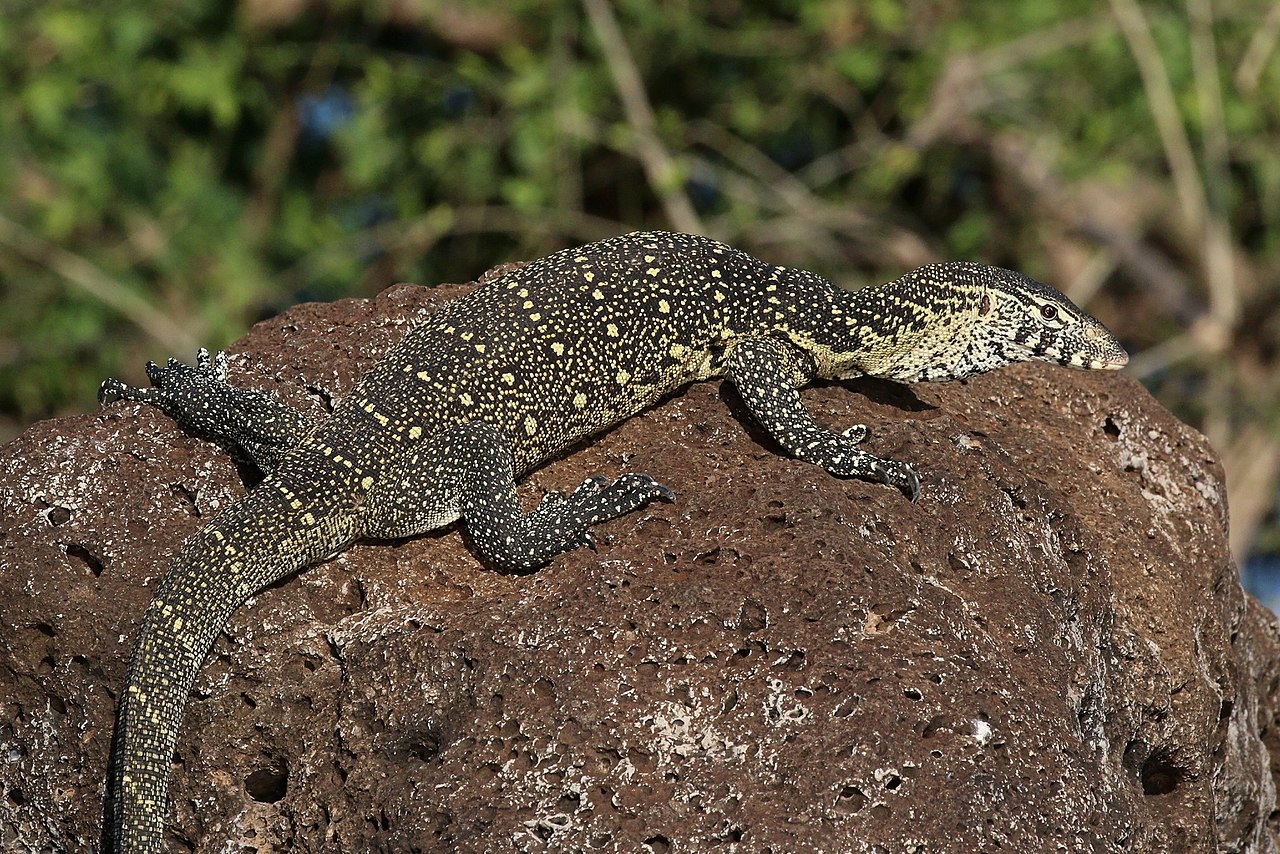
column 515, row 372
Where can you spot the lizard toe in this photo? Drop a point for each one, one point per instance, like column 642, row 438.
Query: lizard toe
column 900, row 475
column 857, row 434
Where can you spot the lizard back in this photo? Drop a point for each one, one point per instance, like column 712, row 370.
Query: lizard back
column 571, row 344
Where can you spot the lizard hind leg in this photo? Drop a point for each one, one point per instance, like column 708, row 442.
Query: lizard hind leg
column 201, row 400
column 467, row 472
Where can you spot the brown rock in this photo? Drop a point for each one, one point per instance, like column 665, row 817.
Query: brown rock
column 1050, row 651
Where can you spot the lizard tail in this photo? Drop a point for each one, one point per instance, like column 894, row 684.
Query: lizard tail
column 264, row 537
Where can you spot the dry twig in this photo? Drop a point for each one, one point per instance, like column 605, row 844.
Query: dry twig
column 92, row 280
column 663, row 174
column 1261, row 46
column 1219, row 268
column 1164, row 109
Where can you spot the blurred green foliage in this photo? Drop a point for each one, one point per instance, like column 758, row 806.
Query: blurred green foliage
column 175, row 170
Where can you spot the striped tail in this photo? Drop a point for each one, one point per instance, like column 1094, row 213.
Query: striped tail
column 267, row 535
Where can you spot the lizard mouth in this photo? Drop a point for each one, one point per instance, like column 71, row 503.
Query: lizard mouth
column 1103, row 351
column 1112, row 359
column 1112, row 362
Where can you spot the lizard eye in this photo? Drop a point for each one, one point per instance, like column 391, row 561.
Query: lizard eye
column 1049, row 312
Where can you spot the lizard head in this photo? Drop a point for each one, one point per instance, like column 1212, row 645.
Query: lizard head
column 954, row 320
column 1022, row 320
column 958, row 319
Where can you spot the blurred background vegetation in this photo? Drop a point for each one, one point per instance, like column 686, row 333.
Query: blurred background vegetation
column 173, row 170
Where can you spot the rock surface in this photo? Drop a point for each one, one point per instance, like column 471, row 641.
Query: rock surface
column 1050, row 651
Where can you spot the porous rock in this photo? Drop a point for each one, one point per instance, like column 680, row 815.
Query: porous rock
column 1049, row 651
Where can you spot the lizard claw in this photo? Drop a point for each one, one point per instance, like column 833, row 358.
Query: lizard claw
column 899, row 475
column 110, row 391
column 912, row 486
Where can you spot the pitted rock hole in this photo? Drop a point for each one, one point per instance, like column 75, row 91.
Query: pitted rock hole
column 1160, row 776
column 1154, row 768
column 268, row 785
column 658, row 844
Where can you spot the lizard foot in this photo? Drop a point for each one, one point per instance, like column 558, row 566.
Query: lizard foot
column 839, row 454
column 569, row 519
column 168, row 382
column 900, row 475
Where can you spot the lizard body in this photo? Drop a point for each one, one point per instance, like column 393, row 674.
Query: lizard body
column 518, row 371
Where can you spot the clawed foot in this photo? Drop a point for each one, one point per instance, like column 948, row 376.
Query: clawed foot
column 596, row 500
column 254, row 425
column 887, row 472
column 208, row 370
column 900, row 475
column 839, row 454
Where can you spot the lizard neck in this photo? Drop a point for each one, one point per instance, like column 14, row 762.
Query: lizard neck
column 904, row 330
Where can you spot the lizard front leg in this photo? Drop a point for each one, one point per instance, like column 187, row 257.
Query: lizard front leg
column 767, row 373
column 467, row 472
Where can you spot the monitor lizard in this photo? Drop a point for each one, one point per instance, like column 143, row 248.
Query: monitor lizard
column 514, row 373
